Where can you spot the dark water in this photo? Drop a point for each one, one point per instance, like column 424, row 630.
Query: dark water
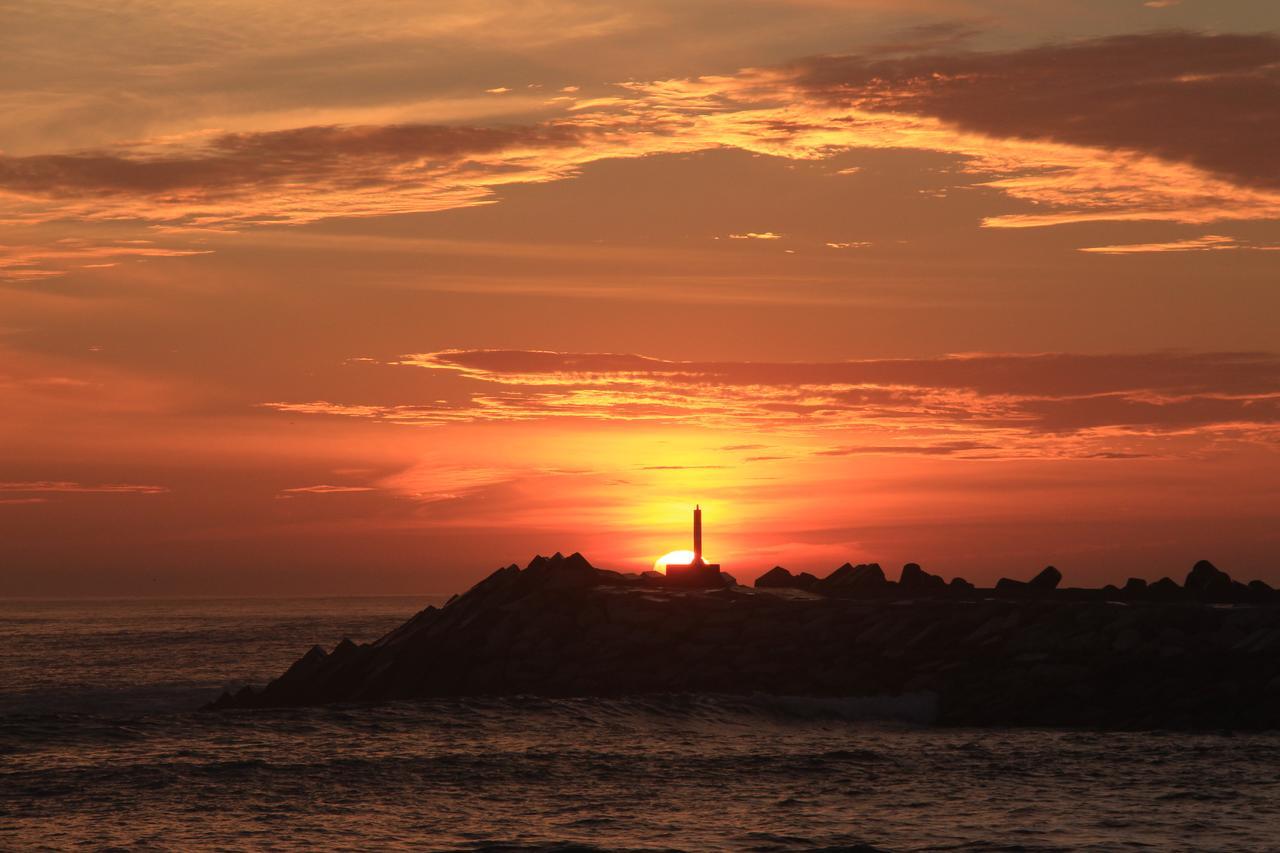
column 99, row 747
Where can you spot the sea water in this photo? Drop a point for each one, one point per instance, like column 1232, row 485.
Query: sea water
column 102, row 744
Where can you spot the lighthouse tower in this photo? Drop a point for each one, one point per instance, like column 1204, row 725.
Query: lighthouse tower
column 699, row 573
column 697, row 534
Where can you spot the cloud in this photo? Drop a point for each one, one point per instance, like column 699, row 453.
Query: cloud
column 929, row 37
column 680, row 467
column 948, row 448
column 287, row 176
column 1207, row 243
column 66, row 486
column 1207, row 100
column 325, row 489
column 30, row 262
column 1177, row 127
column 973, row 405
column 1052, row 374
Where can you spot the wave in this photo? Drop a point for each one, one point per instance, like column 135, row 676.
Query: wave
column 912, row 708
column 120, row 716
column 131, row 700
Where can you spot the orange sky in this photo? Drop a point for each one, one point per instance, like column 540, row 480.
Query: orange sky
column 318, row 297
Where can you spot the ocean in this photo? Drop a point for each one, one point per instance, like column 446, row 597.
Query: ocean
column 102, row 745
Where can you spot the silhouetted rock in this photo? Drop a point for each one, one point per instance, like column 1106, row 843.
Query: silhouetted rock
column 1029, row 656
column 916, row 581
column 849, row 581
column 1135, row 587
column 1239, row 592
column 1043, row 584
column 560, row 571
column 1165, row 589
column 1261, row 592
column 839, row 574
column 780, row 578
column 1048, row 579
column 776, row 578
column 307, row 665
column 1207, row 582
column 1010, row 588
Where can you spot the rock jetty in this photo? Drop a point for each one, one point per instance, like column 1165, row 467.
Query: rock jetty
column 1201, row 654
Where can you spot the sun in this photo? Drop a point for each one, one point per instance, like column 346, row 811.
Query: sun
column 678, row 558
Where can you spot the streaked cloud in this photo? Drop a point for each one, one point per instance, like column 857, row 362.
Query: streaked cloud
column 33, row 262
column 1206, row 100
column 946, row 448
column 931, row 37
column 974, row 406
column 67, row 486
column 1167, row 127
column 290, row 177
column 1207, row 243
column 326, row 489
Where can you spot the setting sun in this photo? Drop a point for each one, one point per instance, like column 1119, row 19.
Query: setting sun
column 677, row 558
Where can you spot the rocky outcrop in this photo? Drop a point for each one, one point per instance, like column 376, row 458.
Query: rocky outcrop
column 1048, row 579
column 1206, row 582
column 777, row 578
column 865, row 580
column 916, row 581
column 562, row 627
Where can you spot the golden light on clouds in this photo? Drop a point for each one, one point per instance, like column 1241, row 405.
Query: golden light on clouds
column 231, row 181
column 384, row 296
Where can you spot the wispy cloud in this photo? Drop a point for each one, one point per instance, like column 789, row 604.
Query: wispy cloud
column 290, row 176
column 325, row 489
column 946, row 448
column 67, row 486
column 1175, row 127
column 1180, row 97
column 975, row 405
column 1207, row 243
column 929, row 37
column 680, row 467
column 27, row 262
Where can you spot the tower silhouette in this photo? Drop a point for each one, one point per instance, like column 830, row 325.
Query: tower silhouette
column 697, row 534
column 698, row 573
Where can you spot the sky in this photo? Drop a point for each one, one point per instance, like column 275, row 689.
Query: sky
column 323, row 298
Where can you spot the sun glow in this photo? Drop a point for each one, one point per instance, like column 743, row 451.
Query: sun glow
column 678, row 558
